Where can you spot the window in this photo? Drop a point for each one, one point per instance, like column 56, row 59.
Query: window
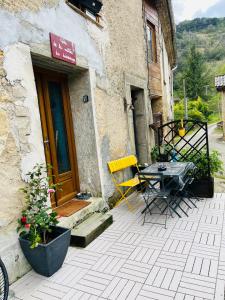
column 87, row 8
column 152, row 46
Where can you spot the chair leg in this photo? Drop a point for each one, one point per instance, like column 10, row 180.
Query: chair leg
column 123, row 197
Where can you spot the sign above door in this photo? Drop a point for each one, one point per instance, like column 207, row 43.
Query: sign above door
column 62, row 49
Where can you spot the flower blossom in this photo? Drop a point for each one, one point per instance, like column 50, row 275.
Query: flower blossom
column 51, row 191
column 23, row 220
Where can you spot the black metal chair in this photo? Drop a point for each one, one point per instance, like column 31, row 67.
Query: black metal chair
column 4, row 282
column 182, row 195
column 157, row 199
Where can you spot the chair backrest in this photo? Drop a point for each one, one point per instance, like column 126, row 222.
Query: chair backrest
column 122, row 163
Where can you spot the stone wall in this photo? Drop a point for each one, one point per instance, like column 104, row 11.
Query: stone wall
column 111, row 62
column 125, row 63
column 26, row 41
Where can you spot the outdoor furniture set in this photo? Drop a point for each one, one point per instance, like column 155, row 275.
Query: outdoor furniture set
column 167, row 189
column 165, row 186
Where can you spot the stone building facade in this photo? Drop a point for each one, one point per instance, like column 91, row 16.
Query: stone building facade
column 220, row 86
column 107, row 98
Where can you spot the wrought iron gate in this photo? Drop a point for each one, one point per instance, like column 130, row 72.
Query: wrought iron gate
column 193, row 145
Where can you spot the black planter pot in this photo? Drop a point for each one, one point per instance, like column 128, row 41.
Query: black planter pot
column 46, row 259
column 163, row 158
column 203, row 188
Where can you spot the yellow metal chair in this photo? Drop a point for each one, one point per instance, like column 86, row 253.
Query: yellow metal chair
column 119, row 165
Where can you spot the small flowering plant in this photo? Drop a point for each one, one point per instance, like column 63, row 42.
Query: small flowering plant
column 38, row 218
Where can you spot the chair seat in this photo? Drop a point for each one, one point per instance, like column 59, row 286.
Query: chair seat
column 132, row 182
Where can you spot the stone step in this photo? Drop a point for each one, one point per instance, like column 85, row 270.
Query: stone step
column 84, row 233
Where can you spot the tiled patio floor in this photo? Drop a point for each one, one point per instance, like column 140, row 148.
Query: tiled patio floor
column 186, row 261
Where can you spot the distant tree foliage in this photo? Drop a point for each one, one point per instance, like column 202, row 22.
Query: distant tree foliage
column 200, row 24
column 195, row 74
column 201, row 56
column 197, row 110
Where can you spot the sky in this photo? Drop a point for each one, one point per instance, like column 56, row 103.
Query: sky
column 190, row 9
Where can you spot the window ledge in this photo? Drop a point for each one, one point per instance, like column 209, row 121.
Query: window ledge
column 80, row 12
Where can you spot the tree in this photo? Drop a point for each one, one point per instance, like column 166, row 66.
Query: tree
column 197, row 110
column 195, row 74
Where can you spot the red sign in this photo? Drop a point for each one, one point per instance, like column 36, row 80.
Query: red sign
column 62, row 49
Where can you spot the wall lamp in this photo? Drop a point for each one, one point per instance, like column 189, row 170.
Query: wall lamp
column 85, row 98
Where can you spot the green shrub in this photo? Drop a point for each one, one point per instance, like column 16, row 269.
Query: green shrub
column 201, row 162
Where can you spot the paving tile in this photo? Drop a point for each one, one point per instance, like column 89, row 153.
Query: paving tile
column 171, row 260
column 145, row 255
column 135, row 271
column 164, row 278
column 199, row 250
column 177, row 246
column 156, row 293
column 179, row 296
column 186, row 225
column 114, row 288
column 153, row 242
column 110, row 235
column 210, row 239
column 212, row 219
column 182, row 235
column 158, row 232
column 131, row 238
column 186, row 261
column 219, row 293
column 108, row 264
column 201, row 266
column 49, row 290
column 121, row 250
column 197, row 286
column 221, row 270
column 74, row 294
column 99, row 246
column 210, row 228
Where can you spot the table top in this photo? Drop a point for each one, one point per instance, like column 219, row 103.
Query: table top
column 173, row 169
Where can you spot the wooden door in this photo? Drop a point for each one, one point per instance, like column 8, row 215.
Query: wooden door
column 57, row 128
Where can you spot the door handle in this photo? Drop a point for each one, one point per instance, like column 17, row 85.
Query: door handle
column 56, row 138
column 46, row 141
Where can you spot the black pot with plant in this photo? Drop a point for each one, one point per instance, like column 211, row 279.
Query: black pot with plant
column 43, row 243
column 161, row 153
column 203, row 183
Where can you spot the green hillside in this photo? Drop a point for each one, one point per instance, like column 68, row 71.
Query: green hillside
column 208, row 37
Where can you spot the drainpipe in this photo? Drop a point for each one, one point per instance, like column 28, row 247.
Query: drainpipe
column 172, row 89
column 146, row 43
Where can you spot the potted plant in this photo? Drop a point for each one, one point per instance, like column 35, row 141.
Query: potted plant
column 43, row 243
column 203, row 184
column 161, row 153
column 181, row 130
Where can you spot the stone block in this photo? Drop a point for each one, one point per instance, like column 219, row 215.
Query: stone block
column 90, row 229
column 21, row 111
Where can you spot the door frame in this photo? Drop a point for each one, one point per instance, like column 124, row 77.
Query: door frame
column 42, row 92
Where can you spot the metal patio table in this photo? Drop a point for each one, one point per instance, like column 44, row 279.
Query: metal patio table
column 174, row 174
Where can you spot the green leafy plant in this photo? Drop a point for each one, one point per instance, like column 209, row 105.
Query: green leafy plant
column 155, row 153
column 201, row 162
column 158, row 151
column 38, row 218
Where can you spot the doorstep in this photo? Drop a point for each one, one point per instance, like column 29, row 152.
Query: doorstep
column 86, row 232
column 97, row 205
